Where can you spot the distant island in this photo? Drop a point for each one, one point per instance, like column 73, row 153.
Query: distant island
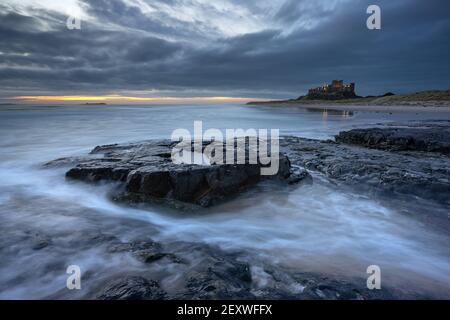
column 339, row 93
column 95, row 104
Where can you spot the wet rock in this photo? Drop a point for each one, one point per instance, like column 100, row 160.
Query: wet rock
column 387, row 173
column 145, row 251
column 391, row 161
column 394, row 170
column 219, row 278
column 135, row 246
column 212, row 273
column 220, row 275
column 209, row 272
column 38, row 240
column 427, row 139
column 299, row 175
column 323, row 288
column 146, row 172
column 66, row 161
column 132, row 288
column 241, row 271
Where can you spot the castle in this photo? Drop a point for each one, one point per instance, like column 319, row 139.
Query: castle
column 334, row 91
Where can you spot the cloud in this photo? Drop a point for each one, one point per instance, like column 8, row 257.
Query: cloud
column 260, row 48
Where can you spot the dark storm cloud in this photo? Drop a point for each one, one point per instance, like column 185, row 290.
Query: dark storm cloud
column 116, row 11
column 302, row 43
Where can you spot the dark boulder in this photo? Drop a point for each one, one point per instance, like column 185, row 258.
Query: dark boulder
column 146, row 173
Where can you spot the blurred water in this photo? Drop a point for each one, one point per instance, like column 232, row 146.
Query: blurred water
column 311, row 228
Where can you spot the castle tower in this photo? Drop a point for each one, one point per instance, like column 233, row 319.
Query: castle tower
column 337, row 84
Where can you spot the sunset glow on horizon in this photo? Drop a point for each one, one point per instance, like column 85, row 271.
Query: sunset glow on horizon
column 120, row 98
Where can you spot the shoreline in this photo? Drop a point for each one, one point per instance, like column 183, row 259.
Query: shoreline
column 432, row 100
column 355, row 107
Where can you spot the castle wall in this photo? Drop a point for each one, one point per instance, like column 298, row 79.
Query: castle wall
column 336, row 90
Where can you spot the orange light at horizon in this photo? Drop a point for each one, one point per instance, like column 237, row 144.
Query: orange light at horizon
column 118, row 98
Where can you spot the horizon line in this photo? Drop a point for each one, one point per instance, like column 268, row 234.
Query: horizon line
column 120, row 98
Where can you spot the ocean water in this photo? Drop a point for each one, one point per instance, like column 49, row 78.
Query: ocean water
column 316, row 228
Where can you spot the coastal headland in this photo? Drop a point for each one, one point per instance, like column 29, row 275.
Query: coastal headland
column 340, row 96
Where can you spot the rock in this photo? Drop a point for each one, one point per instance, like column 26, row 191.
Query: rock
column 427, row 139
column 135, row 246
column 327, row 289
column 213, row 273
column 132, row 288
column 66, row 161
column 408, row 160
column 220, row 275
column 145, row 251
column 395, row 176
column 299, row 175
column 419, row 174
column 38, row 240
column 146, row 172
column 219, row 278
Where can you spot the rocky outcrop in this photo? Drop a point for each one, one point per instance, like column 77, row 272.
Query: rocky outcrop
column 410, row 160
column 409, row 166
column 147, row 173
column 427, row 139
column 389, row 173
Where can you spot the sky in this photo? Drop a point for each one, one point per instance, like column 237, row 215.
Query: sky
column 147, row 51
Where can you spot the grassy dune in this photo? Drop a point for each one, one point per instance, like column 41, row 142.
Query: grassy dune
column 423, row 98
